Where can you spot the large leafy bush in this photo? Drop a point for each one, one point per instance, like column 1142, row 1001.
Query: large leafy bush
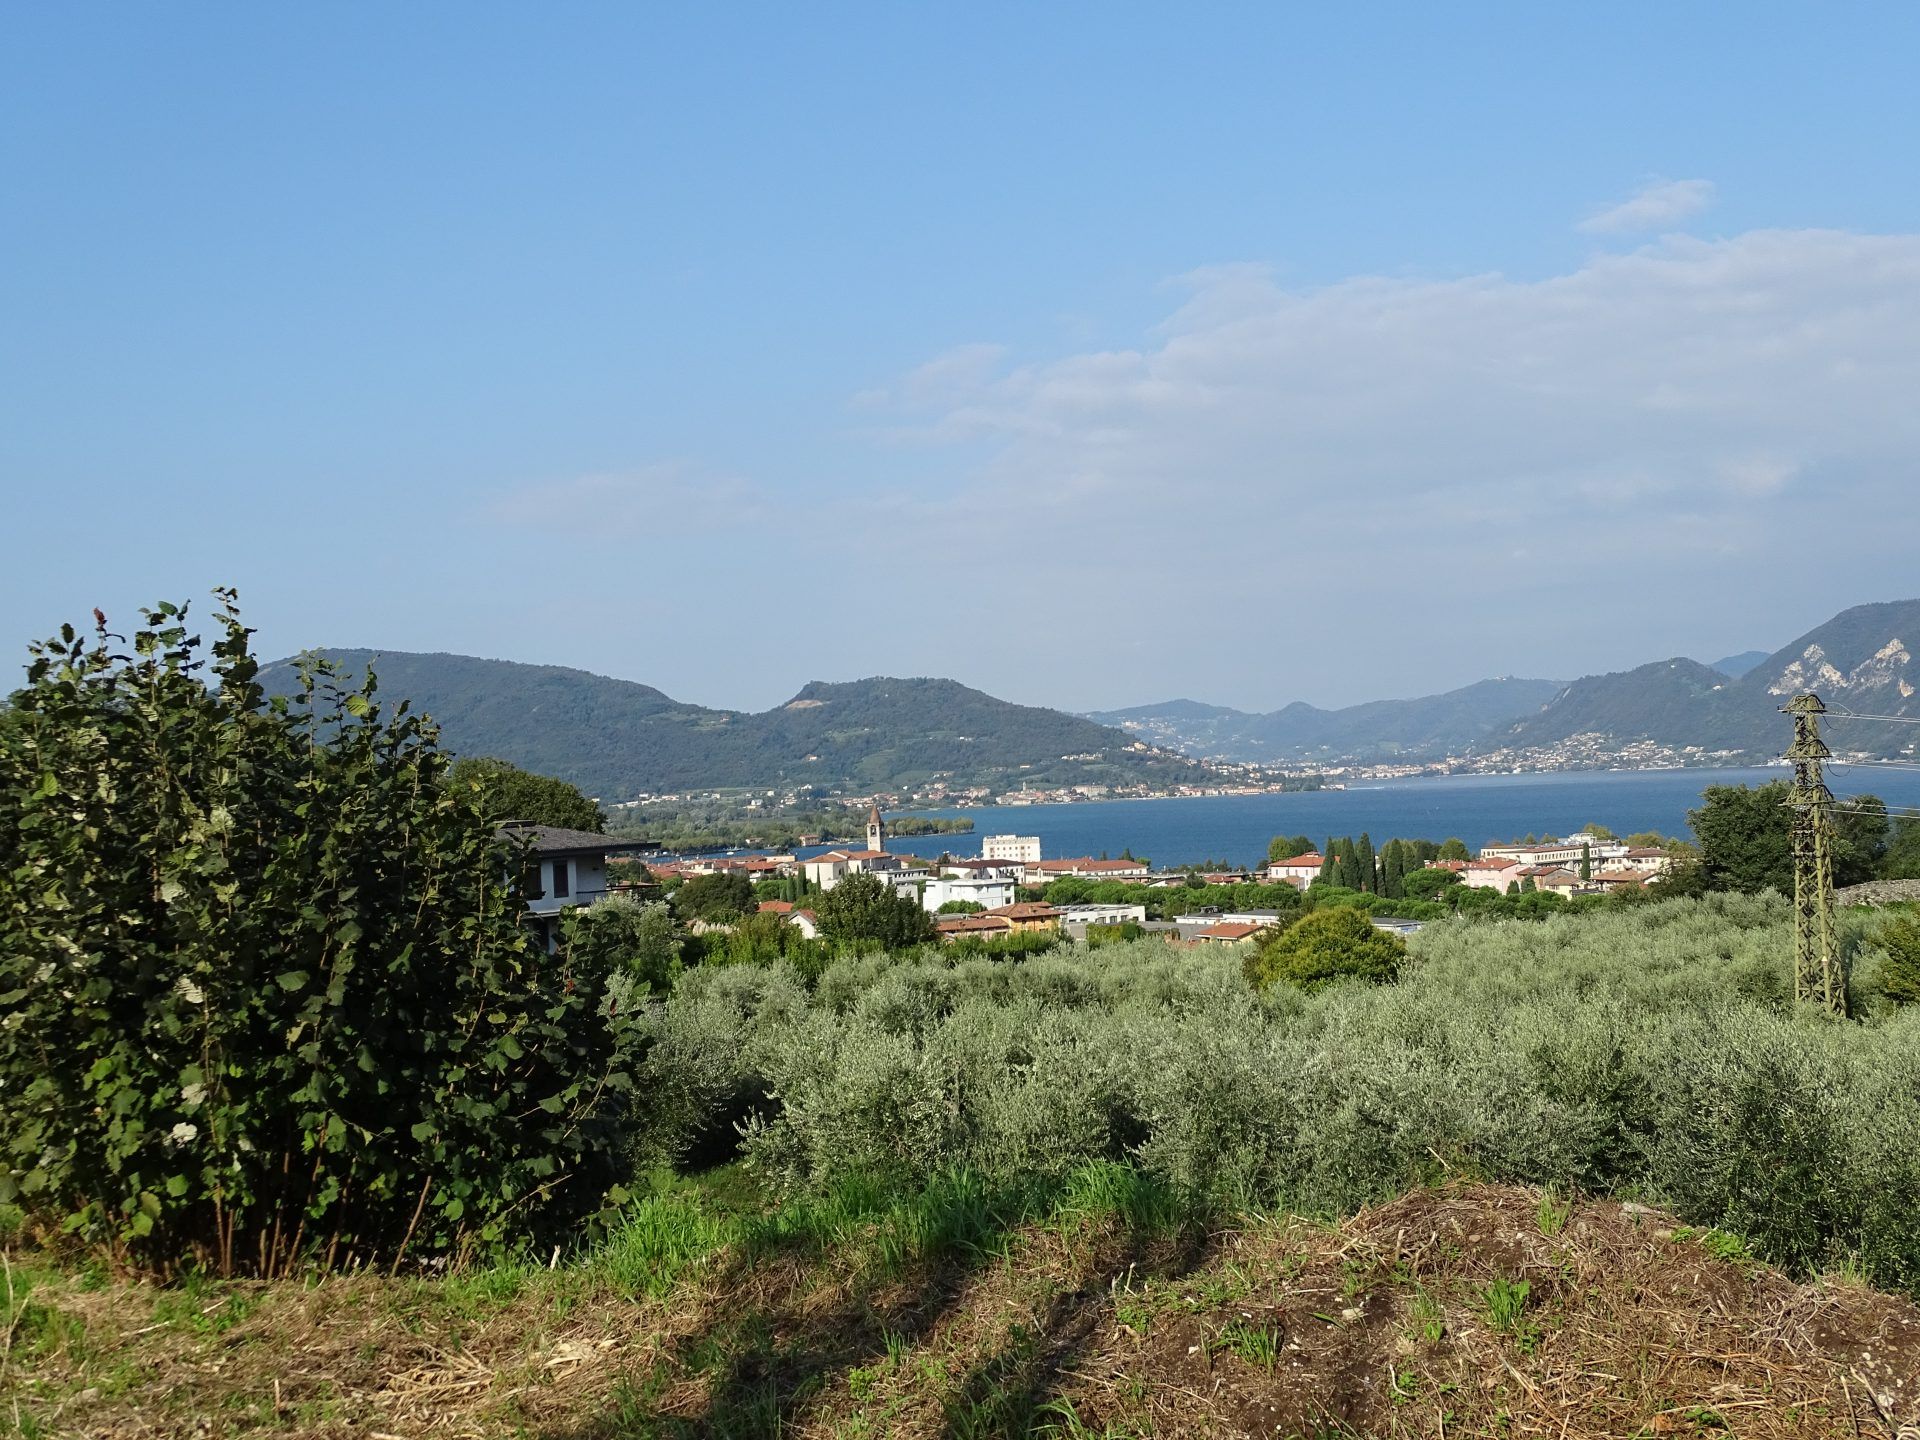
column 265, row 996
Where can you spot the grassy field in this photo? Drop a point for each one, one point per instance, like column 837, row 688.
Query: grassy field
column 1090, row 1308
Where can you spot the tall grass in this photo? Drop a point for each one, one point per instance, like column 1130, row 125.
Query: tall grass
column 1652, row 1051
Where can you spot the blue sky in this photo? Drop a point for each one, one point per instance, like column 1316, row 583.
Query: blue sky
column 1088, row 354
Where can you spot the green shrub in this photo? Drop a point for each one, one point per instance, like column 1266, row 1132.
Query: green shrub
column 1332, row 943
column 265, row 994
column 1900, row 970
column 1652, row 1050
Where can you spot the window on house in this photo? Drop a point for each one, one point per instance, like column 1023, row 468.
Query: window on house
column 560, row 879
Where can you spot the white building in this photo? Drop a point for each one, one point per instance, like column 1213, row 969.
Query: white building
column 563, row 869
column 1300, row 871
column 988, row 894
column 830, row 869
column 1014, row 870
column 1557, row 852
column 1076, row 918
column 1024, row 848
column 1087, row 868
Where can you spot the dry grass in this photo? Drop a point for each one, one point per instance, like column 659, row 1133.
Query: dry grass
column 1407, row 1320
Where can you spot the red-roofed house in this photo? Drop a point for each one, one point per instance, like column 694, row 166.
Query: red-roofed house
column 801, row 920
column 1227, row 934
column 1028, row 915
column 1087, row 867
column 1300, row 872
column 953, row 927
column 1501, row 875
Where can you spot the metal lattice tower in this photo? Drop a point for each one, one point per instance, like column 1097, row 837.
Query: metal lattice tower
column 1816, row 952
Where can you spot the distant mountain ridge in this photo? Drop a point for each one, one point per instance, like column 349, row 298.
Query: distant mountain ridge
column 1419, row 729
column 1734, row 666
column 1859, row 660
column 618, row 738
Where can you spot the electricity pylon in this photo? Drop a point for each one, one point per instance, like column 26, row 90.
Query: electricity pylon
column 1816, row 954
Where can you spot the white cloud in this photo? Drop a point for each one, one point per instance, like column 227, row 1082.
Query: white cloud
column 1655, row 206
column 1695, row 409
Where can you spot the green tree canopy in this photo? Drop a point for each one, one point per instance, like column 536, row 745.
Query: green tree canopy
column 506, row 792
column 1900, row 974
column 715, row 898
column 623, row 936
column 864, row 910
column 1902, row 860
column 1424, row 884
column 1331, row 943
column 1745, row 837
column 1454, row 848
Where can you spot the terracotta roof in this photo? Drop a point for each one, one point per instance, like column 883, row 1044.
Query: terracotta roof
column 1228, row 932
column 1086, row 863
column 960, row 924
column 1625, row 877
column 776, row 907
column 1312, row 857
column 1490, row 864
column 1026, row 910
column 1454, row 865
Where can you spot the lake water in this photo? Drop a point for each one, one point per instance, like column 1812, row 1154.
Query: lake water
column 1477, row 808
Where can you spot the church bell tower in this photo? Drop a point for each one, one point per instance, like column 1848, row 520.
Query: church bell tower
column 876, row 829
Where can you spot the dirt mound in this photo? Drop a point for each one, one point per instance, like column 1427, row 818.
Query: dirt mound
column 1472, row 1310
column 1499, row 1311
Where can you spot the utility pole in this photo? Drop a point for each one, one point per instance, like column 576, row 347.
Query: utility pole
column 1816, row 954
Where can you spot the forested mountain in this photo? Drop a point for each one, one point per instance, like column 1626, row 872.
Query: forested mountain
column 1430, row 726
column 1654, row 702
column 617, row 738
column 1860, row 660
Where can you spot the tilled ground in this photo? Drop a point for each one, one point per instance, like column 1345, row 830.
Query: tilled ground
column 1471, row 1310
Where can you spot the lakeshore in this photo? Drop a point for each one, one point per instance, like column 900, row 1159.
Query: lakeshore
column 1476, row 808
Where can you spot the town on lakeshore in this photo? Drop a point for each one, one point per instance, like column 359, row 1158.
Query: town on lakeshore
column 981, row 896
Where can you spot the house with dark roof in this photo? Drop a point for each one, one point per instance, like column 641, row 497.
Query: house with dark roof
column 563, row 869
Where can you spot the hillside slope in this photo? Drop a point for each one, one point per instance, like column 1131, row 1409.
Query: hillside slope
column 1429, row 726
column 1859, row 660
column 617, row 738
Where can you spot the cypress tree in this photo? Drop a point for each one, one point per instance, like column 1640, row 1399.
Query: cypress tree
column 1393, row 869
column 1586, row 862
column 1364, row 862
column 1329, row 864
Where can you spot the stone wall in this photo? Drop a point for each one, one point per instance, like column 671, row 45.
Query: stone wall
column 1879, row 892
